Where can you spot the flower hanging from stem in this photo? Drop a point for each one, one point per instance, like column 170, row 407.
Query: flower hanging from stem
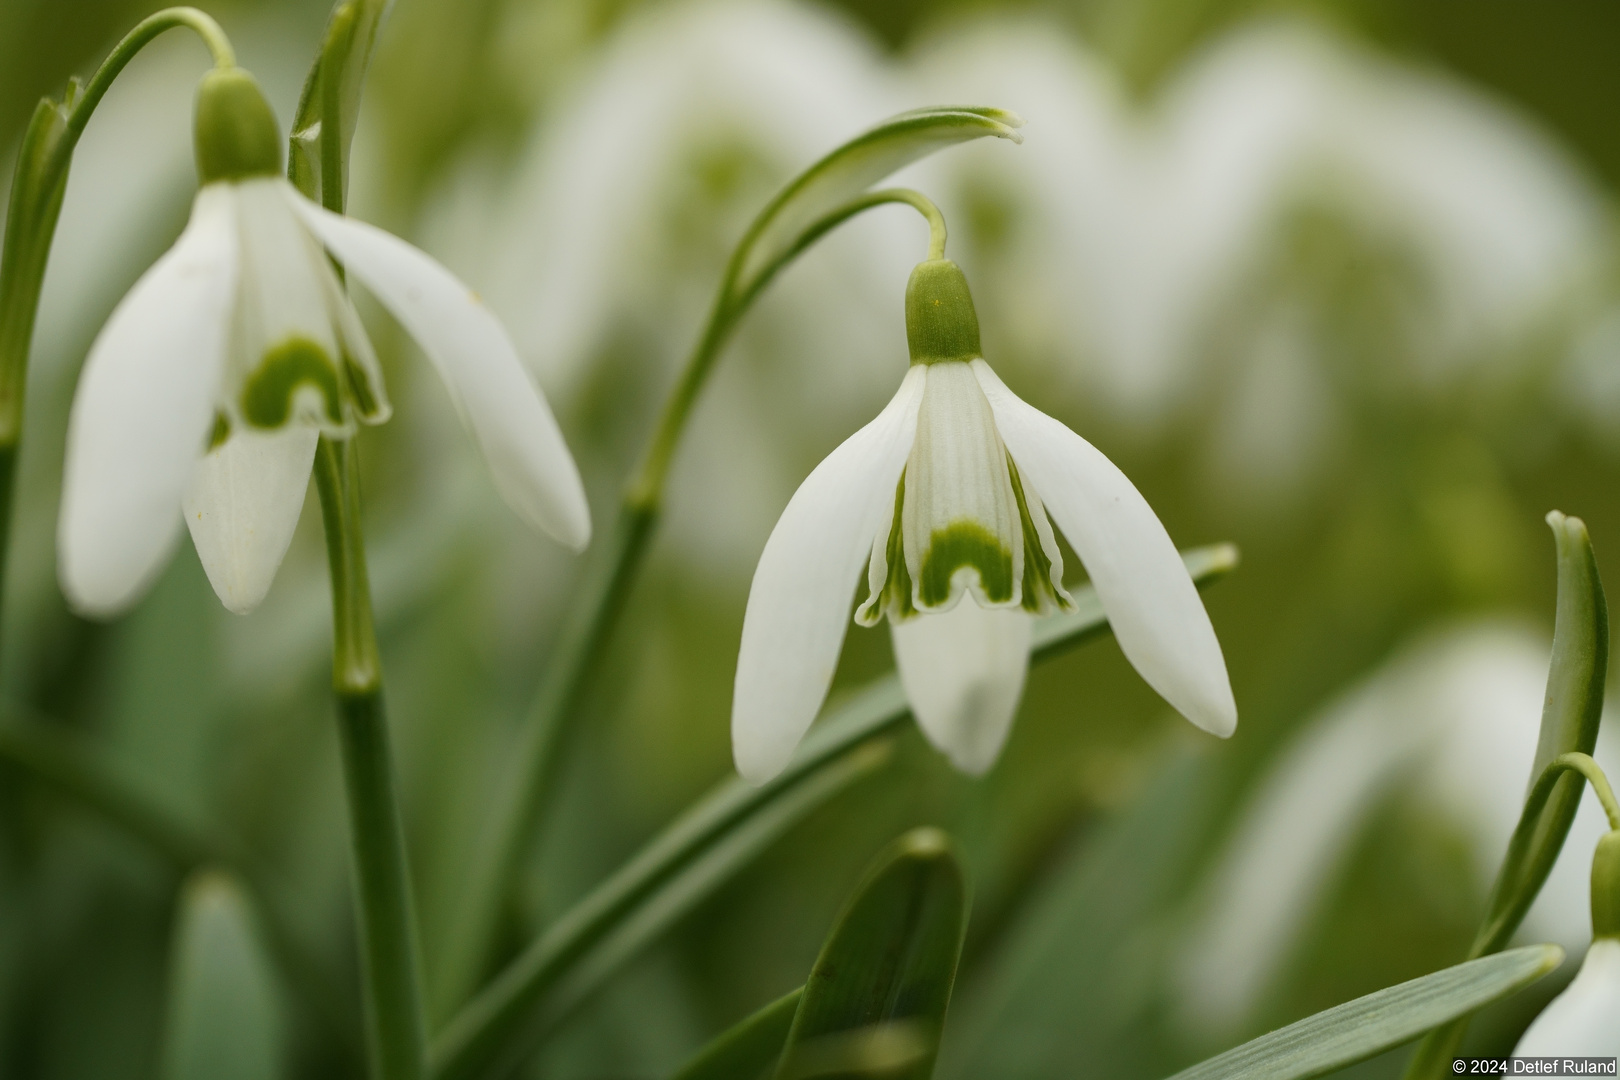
column 945, row 497
column 213, row 380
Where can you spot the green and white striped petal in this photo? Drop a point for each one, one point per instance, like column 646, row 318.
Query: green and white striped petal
column 1584, row 1020
column 1152, row 604
column 243, row 505
column 963, row 672
column 286, row 359
column 495, row 395
column 798, row 605
column 142, row 413
column 959, row 520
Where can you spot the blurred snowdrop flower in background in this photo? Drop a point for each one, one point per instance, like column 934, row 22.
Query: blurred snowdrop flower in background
column 945, row 497
column 243, row 328
column 604, row 244
column 1452, row 722
column 1153, row 251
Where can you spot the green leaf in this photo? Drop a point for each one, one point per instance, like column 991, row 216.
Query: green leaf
column 224, row 1018
column 850, row 170
column 1360, row 1029
column 613, row 924
column 875, row 1001
column 501, row 1015
column 748, row 1048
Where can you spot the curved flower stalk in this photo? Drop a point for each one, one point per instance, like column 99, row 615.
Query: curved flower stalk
column 213, row 380
column 1451, row 720
column 945, row 497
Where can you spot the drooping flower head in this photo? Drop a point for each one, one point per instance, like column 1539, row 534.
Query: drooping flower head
column 945, row 497
column 216, row 375
column 1585, row 1019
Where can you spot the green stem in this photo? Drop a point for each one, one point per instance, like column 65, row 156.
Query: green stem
column 38, row 184
column 596, row 608
column 388, row 951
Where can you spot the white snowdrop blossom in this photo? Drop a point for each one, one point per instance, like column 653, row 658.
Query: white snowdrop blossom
column 945, row 497
column 216, row 375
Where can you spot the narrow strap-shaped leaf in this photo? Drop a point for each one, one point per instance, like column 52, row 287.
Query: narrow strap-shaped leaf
column 876, row 998
column 748, row 1048
column 502, row 1007
column 854, row 167
column 1359, row 1029
column 224, row 1019
column 567, row 966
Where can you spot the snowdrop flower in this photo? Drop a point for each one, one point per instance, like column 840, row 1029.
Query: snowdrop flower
column 214, row 378
column 1585, row 1018
column 945, row 496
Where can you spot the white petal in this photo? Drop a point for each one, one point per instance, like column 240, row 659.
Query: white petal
column 798, row 606
column 1152, row 604
column 963, row 671
column 142, row 412
column 1585, row 1019
column 496, row 396
column 243, row 505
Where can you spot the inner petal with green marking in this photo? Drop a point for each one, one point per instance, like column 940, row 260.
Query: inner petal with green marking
column 959, row 521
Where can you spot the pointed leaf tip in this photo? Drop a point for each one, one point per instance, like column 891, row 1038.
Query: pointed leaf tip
column 890, row 959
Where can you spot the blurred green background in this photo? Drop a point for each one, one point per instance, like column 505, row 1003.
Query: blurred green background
column 1333, row 281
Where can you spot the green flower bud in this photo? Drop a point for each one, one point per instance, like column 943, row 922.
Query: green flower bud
column 1606, row 887
column 236, row 132
column 940, row 321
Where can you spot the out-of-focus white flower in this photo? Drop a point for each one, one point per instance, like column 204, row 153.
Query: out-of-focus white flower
column 1452, row 720
column 1136, row 236
column 945, row 496
column 1585, row 1019
column 243, row 328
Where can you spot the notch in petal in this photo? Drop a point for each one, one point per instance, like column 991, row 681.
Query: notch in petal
column 1152, row 604
column 142, row 414
column 798, row 606
column 963, row 671
column 495, row 395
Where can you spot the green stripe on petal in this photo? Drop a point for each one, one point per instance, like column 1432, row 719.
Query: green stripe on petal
column 1040, row 596
column 270, row 393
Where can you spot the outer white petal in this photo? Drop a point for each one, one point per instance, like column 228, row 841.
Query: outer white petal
column 243, row 505
column 1151, row 601
column 142, row 412
column 963, row 671
column 1584, row 1020
column 495, row 394
column 798, row 606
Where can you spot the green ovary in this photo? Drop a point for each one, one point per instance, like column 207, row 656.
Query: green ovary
column 959, row 544
column 267, row 398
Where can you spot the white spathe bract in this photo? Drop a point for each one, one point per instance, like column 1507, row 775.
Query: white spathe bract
column 1585, row 1019
column 945, row 497
column 216, row 375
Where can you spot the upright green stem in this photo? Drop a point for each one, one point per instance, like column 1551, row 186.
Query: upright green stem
column 388, row 952
column 38, row 184
column 596, row 608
